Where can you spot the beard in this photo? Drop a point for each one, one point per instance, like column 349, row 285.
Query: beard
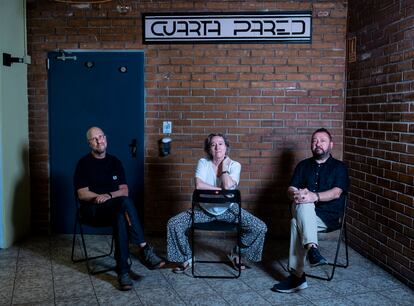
column 100, row 149
column 320, row 154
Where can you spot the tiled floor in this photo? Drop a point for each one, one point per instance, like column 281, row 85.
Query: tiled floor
column 39, row 272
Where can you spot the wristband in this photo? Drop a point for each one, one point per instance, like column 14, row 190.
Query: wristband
column 318, row 200
column 224, row 172
column 108, row 193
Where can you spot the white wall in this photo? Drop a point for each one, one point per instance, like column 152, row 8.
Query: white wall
column 14, row 131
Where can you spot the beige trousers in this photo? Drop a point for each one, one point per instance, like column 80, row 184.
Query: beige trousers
column 304, row 228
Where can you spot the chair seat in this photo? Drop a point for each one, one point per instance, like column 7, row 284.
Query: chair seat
column 217, row 198
column 216, row 226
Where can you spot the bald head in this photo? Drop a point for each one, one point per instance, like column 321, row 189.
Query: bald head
column 97, row 141
column 93, row 130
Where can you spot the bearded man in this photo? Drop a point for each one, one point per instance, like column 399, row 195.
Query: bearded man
column 317, row 189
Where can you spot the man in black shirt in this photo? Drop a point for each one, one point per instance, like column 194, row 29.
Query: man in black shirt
column 317, row 189
column 103, row 193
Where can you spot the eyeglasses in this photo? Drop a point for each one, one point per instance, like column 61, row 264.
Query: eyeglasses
column 97, row 138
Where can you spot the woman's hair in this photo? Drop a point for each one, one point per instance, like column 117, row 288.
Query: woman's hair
column 207, row 143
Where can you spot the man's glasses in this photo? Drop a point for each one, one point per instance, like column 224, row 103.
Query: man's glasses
column 97, row 138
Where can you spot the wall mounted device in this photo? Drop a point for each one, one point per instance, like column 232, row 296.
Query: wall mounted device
column 8, row 59
column 165, row 146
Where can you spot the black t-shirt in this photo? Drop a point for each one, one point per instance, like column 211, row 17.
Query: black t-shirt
column 100, row 175
column 321, row 177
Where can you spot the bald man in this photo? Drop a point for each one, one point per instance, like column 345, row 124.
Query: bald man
column 103, row 193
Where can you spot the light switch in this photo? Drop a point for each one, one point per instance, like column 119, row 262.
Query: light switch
column 167, row 127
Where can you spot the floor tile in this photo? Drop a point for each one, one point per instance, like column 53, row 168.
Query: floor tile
column 188, row 291
column 336, row 301
column 129, row 298
column 381, row 282
column 87, row 300
column 72, row 287
column 245, row 298
column 401, row 296
column 260, row 283
column 277, row 298
column 206, row 300
column 371, row 299
column 152, row 281
column 227, row 286
column 32, row 294
column 162, row 296
column 317, row 290
column 6, row 294
column 39, row 271
column 345, row 287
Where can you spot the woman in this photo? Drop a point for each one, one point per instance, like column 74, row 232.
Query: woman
column 215, row 172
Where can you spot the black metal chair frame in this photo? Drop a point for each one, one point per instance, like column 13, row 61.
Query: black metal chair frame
column 342, row 235
column 79, row 222
column 221, row 197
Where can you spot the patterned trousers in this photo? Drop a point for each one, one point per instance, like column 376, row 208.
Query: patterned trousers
column 253, row 231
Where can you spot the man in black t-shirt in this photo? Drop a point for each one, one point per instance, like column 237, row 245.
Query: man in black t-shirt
column 317, row 189
column 103, row 194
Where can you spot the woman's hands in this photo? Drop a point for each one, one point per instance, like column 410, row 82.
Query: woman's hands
column 224, row 166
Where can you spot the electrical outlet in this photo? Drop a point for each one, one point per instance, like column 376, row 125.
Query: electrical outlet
column 167, row 127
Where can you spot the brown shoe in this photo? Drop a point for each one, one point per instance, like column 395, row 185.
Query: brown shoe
column 125, row 282
column 183, row 266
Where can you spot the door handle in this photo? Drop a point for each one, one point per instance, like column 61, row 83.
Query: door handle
column 133, row 148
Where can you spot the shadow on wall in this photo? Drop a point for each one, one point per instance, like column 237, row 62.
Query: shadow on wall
column 20, row 206
column 164, row 196
column 273, row 203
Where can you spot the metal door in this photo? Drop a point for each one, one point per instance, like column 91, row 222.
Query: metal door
column 93, row 88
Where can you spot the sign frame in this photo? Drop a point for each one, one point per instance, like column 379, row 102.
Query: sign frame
column 207, row 27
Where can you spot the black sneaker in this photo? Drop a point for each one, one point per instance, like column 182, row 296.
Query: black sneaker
column 315, row 258
column 150, row 259
column 125, row 282
column 291, row 284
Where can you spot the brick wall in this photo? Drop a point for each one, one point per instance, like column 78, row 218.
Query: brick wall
column 268, row 98
column 379, row 134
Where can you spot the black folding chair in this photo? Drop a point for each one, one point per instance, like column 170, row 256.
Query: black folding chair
column 81, row 221
column 219, row 198
column 342, row 236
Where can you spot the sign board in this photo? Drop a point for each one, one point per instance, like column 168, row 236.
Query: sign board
column 239, row 27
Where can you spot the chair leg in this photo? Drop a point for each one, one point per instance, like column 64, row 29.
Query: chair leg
column 192, row 252
column 194, row 261
column 86, row 258
column 334, row 264
column 239, row 249
column 74, row 239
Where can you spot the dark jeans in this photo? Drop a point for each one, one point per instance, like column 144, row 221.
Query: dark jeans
column 112, row 212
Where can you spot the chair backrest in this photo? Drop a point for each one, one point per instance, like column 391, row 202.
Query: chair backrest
column 219, row 197
column 341, row 221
